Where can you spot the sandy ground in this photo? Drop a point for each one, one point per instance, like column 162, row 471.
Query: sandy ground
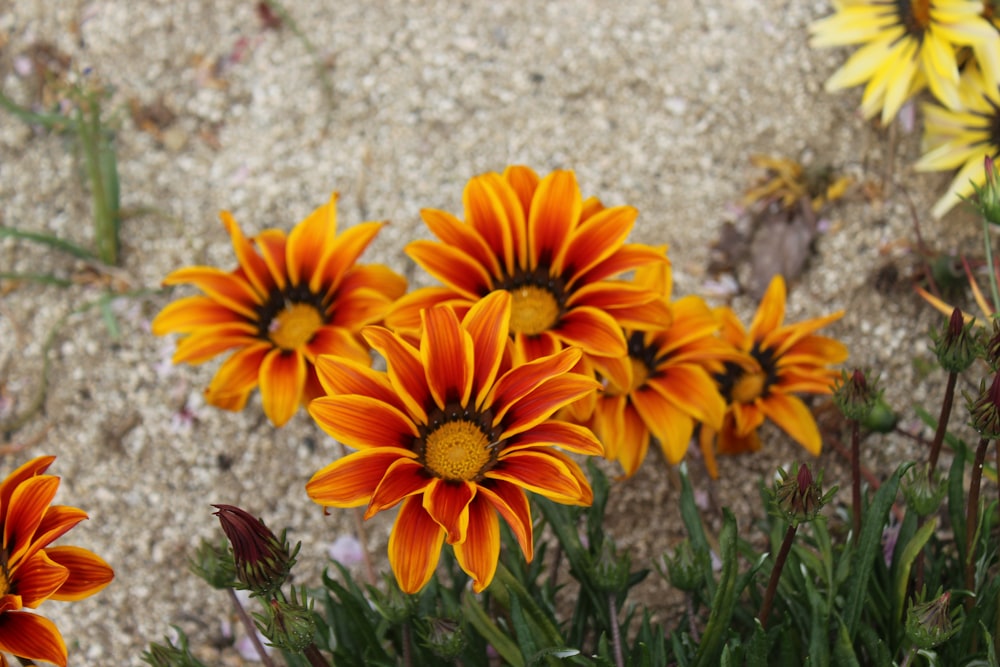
column 658, row 105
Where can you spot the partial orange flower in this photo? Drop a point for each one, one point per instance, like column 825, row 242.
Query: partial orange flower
column 454, row 432
column 663, row 388
column 552, row 251
column 34, row 572
column 291, row 299
column 780, row 360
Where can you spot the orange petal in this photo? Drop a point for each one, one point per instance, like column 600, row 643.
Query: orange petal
column 488, row 322
column 447, row 355
column 344, row 252
column 405, row 313
column 539, row 471
column 310, row 242
column 512, row 503
column 37, row 578
column 28, row 505
column 362, row 421
column 629, row 257
column 378, row 277
column 784, row 338
column 350, row 481
column 592, row 330
column 282, row 380
column 795, row 419
column 555, row 393
column 524, row 378
column 452, row 267
column 31, row 636
column 338, row 341
column 747, row 417
column 403, row 478
column 486, row 213
column 252, row 264
column 531, row 348
column 405, row 370
column 594, row 241
column 58, row 520
column 28, row 470
column 555, row 212
column 634, row 441
column 448, row 503
column 205, row 343
column 271, row 243
column 238, row 375
column 479, row 552
column 344, row 376
column 607, row 423
column 814, row 350
column 706, row 441
column 524, row 181
column 771, row 311
column 692, row 389
column 453, row 233
column 191, row 313
column 359, row 307
column 414, row 546
column 570, row 437
column 667, row 422
column 223, row 287
column 88, row 573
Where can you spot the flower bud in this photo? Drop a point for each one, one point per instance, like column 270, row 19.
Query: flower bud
column 985, row 409
column 289, row 626
column 683, row 569
column 214, row 564
column 956, row 346
column 855, row 396
column 171, row 654
column 881, row 419
column 445, row 638
column 393, row 604
column 929, row 623
column 262, row 561
column 988, row 195
column 609, row 571
column 799, row 498
column 923, row 492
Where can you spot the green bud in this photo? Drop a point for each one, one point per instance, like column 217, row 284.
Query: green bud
column 610, row 570
column 445, row 638
column 798, row 498
column 171, row 654
column 923, row 492
column 289, row 626
column 988, row 195
column 262, row 560
column 881, row 419
column 991, row 347
column 855, row 396
column 683, row 569
column 985, row 409
column 393, row 604
column 956, row 346
column 929, row 624
column 214, row 564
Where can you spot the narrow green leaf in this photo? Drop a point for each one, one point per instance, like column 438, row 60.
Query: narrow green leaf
column 724, row 599
column 956, row 501
column 41, row 278
column 904, row 562
column 696, row 530
column 484, row 625
column 49, row 240
column 843, row 648
column 757, row 647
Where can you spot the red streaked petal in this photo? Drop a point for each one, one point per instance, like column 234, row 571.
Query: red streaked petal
column 88, row 573
column 359, row 307
column 479, row 553
column 414, row 546
column 541, row 404
column 404, row 316
column 452, row 267
column 795, row 419
column 487, row 214
column 31, row 636
column 272, row 245
column 530, row 348
column 771, row 311
column 228, row 289
column 238, row 375
column 813, row 350
column 345, row 376
column 310, row 242
column 203, row 344
column 634, row 441
column 28, row 504
column 608, row 294
column 362, row 421
column 592, row 330
column 282, row 380
column 405, row 477
column 378, row 277
column 541, row 471
column 630, row 256
column 692, row 389
column 555, row 212
column 448, row 503
column 607, row 422
column 191, row 313
column 524, row 378
column 453, row 233
column 28, row 470
column 595, row 240
column 488, row 322
column 37, row 578
column 351, row 480
column 746, row 417
column 58, row 520
column 512, row 503
column 345, row 250
column 253, row 264
column 570, row 437
column 447, row 355
column 405, row 370
column 524, row 181
column 335, row 340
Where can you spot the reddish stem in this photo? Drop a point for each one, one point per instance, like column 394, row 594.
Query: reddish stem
column 772, row 584
column 972, row 520
column 942, row 427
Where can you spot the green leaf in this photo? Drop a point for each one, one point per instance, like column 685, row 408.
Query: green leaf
column 757, row 647
column 843, row 649
column 724, row 599
column 904, row 562
column 956, row 501
column 47, row 239
column 484, row 625
column 696, row 530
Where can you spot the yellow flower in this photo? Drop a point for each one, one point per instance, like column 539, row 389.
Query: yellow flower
column 962, row 139
column 454, row 432
column 34, row 572
column 291, row 299
column 663, row 387
column 551, row 251
column 907, row 44
column 779, row 360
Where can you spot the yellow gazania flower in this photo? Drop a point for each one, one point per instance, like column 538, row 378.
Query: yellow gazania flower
column 291, row 299
column 34, row 572
column 551, row 250
column 454, row 432
column 780, row 360
column 962, row 139
column 907, row 44
column 663, row 387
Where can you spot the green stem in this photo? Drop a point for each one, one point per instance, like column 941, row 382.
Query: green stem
column 616, row 634
column 972, row 521
column 942, row 425
column 779, row 565
column 994, row 289
column 856, row 476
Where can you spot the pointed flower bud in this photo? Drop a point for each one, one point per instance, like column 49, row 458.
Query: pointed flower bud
column 798, row 498
column 855, row 395
column 683, row 570
column 290, row 625
column 609, row 571
column 988, row 195
column 923, row 492
column 445, row 638
column 956, row 346
column 262, row 561
column 171, row 654
column 985, row 409
column 991, row 347
column 929, row 623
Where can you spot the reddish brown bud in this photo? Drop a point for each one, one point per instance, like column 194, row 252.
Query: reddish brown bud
column 262, row 560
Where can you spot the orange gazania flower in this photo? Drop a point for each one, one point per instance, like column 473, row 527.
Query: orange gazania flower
column 456, row 434
column 32, row 571
column 663, row 388
column 551, row 250
column 780, row 360
column 291, row 299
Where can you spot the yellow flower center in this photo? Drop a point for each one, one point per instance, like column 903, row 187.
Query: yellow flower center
column 294, row 326
column 456, row 450
column 533, row 309
column 748, row 387
column 915, row 15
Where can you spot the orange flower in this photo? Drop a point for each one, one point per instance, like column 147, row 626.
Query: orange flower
column 551, row 250
column 34, row 572
column 291, row 299
column 780, row 360
column 663, row 387
column 456, row 434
